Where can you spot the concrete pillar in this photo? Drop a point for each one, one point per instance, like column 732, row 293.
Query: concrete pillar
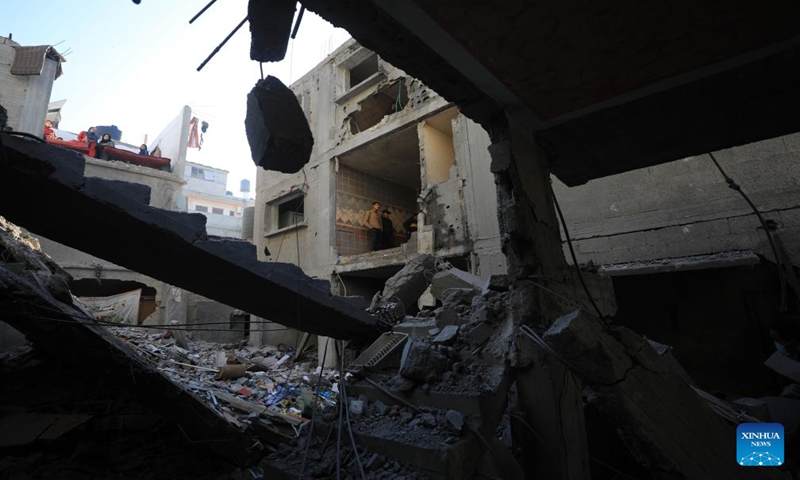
column 531, row 241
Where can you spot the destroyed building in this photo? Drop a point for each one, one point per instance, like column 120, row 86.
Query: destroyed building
column 380, row 135
column 531, row 376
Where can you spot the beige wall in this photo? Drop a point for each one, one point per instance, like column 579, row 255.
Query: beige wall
column 438, row 152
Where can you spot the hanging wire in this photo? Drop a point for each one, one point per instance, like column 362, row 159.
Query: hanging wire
column 734, row 186
column 575, row 258
column 314, row 409
column 346, row 407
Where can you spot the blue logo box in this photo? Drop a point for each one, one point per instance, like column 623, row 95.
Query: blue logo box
column 759, row 444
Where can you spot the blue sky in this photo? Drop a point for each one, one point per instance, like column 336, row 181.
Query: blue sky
column 135, row 66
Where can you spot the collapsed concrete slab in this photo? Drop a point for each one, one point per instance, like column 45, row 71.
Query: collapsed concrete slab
column 407, row 285
column 277, row 129
column 31, row 302
column 116, row 225
column 270, row 28
column 668, row 428
column 454, row 278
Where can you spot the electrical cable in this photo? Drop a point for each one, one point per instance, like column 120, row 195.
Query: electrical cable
column 734, row 186
column 314, row 408
column 339, row 429
column 575, row 258
column 347, row 414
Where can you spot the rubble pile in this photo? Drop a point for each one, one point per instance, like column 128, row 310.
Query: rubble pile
column 263, row 387
column 430, row 396
column 59, row 422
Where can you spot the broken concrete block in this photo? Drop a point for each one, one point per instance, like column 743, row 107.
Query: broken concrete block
column 380, row 407
column 410, row 282
column 423, row 363
column 415, row 328
column 479, row 333
column 277, row 130
column 445, row 317
column 434, row 331
column 455, row 297
column 447, row 336
column 428, row 420
column 454, row 278
column 270, row 28
column 455, row 421
column 499, row 283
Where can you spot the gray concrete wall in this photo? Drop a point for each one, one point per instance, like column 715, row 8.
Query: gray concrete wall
column 24, row 97
column 165, row 187
column 685, row 208
column 82, row 265
column 212, row 320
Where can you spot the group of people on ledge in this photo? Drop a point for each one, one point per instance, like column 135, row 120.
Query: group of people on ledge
column 381, row 229
column 97, row 145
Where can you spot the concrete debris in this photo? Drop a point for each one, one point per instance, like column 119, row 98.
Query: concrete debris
column 424, row 363
column 280, row 393
column 456, row 297
column 447, row 336
column 455, row 420
column 662, row 420
column 407, row 285
column 499, row 283
column 277, row 129
column 270, row 28
column 454, row 278
column 446, row 316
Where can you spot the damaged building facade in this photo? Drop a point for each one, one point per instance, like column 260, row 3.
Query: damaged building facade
column 382, row 136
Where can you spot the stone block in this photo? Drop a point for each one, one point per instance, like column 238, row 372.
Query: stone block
column 445, row 317
column 447, row 336
column 415, row 328
column 407, row 285
column 453, row 297
column 454, row 278
column 423, row 363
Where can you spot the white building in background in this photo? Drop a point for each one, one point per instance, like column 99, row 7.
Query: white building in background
column 205, row 193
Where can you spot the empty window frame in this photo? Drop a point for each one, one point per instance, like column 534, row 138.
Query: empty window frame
column 291, row 212
column 201, row 208
column 217, row 211
column 362, row 71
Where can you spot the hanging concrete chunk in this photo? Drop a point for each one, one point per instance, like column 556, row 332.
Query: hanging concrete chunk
column 270, row 27
column 277, row 129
